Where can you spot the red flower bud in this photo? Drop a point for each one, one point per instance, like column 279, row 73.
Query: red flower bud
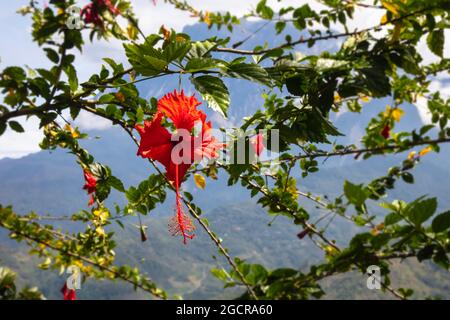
column 303, row 233
column 68, row 294
column 386, row 132
column 90, row 185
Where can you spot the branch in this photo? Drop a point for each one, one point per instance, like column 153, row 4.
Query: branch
column 48, row 106
column 319, row 38
column 117, row 274
column 371, row 150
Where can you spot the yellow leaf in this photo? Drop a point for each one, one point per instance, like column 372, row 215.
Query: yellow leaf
column 206, row 18
column 390, row 7
column 337, row 97
column 397, row 32
column 387, row 113
column 100, row 231
column 119, row 96
column 165, row 32
column 200, row 181
column 132, row 31
column 384, row 19
column 72, row 131
column 397, row 114
column 330, row 250
column 132, row 75
column 78, row 263
column 425, row 151
column 411, row 155
column 102, row 214
column 365, row 98
column 377, row 229
column 180, row 39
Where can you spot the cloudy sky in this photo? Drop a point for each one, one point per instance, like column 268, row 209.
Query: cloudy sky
column 17, row 48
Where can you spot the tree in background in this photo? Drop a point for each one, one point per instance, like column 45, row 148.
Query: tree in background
column 301, row 91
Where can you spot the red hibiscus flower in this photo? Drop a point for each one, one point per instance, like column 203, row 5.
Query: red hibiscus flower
column 91, row 12
column 386, row 132
column 178, row 151
column 68, row 294
column 90, row 185
column 257, row 144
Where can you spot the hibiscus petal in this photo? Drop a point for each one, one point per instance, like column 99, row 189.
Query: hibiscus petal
column 206, row 144
column 155, row 141
column 181, row 109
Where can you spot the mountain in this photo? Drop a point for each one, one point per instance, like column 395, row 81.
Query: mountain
column 51, row 183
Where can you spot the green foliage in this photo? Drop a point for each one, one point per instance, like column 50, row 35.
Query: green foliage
column 8, row 289
column 303, row 92
column 435, row 41
column 214, row 91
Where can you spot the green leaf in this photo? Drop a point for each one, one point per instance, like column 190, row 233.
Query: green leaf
column 377, row 81
column 303, row 12
column 214, row 92
column 74, row 111
column 16, row 73
column 200, row 64
column 419, row 211
column 72, row 77
column 47, row 75
column 176, row 50
column 220, row 274
column 116, row 183
column 139, row 114
column 435, row 42
column 147, row 61
column 200, row 49
column 355, row 193
column 408, row 177
column 441, row 222
column 392, row 218
column 47, row 118
column 249, row 71
column 263, row 10
column 298, row 84
column 132, row 194
column 116, row 67
column 2, row 127
column 106, row 98
column 16, row 126
column 279, row 26
column 257, row 274
column 52, row 55
column 154, row 65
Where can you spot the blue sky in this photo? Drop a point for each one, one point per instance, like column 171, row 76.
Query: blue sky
column 17, row 48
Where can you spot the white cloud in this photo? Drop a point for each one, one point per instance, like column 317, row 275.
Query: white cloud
column 88, row 121
column 16, row 145
column 18, row 49
column 422, row 103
